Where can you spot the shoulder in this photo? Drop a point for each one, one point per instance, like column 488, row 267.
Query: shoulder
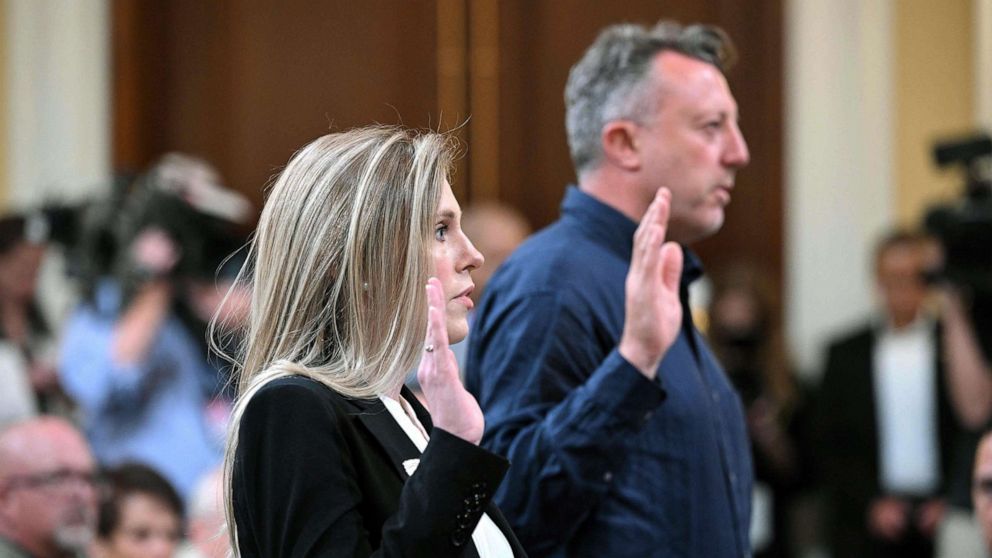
column 853, row 339
column 293, row 400
column 558, row 264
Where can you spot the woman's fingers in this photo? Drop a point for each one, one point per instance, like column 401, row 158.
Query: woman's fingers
column 435, row 298
column 435, row 363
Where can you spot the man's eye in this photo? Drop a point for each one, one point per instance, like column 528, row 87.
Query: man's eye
column 441, row 232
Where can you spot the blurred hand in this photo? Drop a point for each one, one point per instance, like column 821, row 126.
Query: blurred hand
column 155, row 252
column 887, row 518
column 654, row 312
column 452, row 408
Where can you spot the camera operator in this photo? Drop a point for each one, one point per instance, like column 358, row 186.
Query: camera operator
column 961, row 267
column 130, row 354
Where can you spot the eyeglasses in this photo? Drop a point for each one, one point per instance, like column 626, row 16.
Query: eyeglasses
column 54, row 480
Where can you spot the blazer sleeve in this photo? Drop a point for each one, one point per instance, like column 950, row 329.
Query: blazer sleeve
column 296, row 491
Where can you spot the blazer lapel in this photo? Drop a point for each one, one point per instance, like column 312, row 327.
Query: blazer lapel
column 422, row 415
column 397, row 445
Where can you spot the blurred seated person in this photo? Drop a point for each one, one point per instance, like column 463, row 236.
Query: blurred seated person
column 27, row 364
column 888, row 427
column 746, row 338
column 206, row 533
column 141, row 515
column 137, row 369
column 48, row 500
column 981, row 493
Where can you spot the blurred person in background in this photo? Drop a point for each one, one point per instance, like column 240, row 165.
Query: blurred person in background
column 969, row 385
column 745, row 336
column 48, row 496
column 496, row 229
column 131, row 353
column 141, row 514
column 981, row 493
column 889, row 431
column 27, row 361
column 206, row 533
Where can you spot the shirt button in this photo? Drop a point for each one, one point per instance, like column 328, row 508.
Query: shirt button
column 608, row 477
column 648, row 415
column 716, row 397
column 733, row 478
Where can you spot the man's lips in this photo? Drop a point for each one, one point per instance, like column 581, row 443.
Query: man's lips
column 723, row 193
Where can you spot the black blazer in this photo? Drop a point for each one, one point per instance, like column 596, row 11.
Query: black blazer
column 849, row 438
column 320, row 474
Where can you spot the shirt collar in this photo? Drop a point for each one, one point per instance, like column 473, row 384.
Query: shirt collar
column 614, row 230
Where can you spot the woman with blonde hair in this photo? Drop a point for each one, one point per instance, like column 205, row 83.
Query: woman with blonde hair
column 329, row 455
column 358, row 271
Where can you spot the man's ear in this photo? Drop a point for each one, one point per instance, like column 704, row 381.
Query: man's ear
column 621, row 146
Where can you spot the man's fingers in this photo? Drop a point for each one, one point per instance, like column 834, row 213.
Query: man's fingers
column 664, row 209
column 649, row 253
column 671, row 257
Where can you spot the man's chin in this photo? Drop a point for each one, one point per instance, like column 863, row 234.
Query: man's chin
column 701, row 229
column 74, row 537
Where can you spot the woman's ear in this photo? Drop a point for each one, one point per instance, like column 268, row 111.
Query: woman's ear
column 620, row 142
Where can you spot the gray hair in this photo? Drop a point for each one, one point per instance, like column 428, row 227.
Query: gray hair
column 609, row 83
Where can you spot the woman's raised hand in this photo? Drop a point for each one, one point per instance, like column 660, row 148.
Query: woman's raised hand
column 654, row 312
column 452, row 407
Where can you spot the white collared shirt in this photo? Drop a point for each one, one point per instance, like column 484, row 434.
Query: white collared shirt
column 906, row 409
column 488, row 539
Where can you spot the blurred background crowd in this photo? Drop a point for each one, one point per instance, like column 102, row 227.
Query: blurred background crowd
column 847, row 298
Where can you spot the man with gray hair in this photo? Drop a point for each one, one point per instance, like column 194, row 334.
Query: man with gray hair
column 621, row 447
column 47, row 495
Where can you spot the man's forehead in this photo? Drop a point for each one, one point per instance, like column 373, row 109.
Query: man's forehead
column 43, row 447
column 696, row 81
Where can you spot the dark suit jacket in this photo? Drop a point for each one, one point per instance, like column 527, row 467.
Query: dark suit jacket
column 320, row 474
column 849, row 442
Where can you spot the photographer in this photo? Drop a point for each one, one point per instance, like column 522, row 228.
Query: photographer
column 961, row 266
column 130, row 354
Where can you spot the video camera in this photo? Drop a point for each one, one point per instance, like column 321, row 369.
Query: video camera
column 964, row 229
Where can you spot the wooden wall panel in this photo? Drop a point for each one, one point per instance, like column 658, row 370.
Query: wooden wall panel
column 246, row 82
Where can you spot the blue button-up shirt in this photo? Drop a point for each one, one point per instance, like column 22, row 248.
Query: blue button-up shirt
column 604, row 461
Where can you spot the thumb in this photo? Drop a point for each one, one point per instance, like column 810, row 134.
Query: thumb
column 671, row 256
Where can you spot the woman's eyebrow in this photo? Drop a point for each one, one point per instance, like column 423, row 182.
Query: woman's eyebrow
column 446, row 214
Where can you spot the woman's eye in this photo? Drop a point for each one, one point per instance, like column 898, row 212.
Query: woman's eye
column 440, row 233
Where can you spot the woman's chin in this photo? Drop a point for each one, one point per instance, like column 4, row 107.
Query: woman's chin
column 457, row 331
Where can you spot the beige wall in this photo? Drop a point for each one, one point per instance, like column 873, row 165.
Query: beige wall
column 4, row 108
column 871, row 84
column 934, row 97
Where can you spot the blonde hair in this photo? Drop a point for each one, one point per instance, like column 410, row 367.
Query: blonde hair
column 337, row 268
